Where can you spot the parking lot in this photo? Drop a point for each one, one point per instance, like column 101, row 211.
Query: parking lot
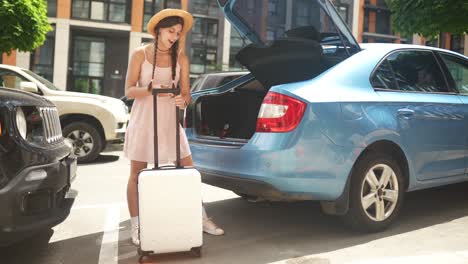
column 431, row 229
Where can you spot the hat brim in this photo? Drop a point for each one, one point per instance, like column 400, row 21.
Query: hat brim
column 168, row 12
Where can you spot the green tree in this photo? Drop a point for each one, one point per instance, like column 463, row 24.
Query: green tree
column 429, row 18
column 24, row 24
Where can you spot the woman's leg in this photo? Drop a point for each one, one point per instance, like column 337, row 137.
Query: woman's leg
column 208, row 225
column 132, row 199
column 135, row 168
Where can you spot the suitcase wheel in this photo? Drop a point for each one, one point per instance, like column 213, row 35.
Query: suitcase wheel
column 197, row 251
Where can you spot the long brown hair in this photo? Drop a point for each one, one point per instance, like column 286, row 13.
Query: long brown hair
column 165, row 23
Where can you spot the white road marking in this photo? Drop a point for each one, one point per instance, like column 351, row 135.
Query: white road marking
column 128, row 255
column 110, row 239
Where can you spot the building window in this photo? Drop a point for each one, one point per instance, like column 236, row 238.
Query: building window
column 366, row 20
column 51, row 8
column 204, row 45
column 205, row 7
column 273, row 7
column 377, row 18
column 237, row 43
column 343, row 12
column 457, row 43
column 42, row 59
column 114, row 11
column 88, row 65
column 151, row 7
column 383, row 22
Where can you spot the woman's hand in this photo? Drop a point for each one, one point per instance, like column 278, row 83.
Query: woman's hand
column 180, row 102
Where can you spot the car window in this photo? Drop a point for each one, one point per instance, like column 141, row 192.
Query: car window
column 383, row 77
column 228, row 79
column 210, row 82
column 417, row 71
column 43, row 80
column 11, row 79
column 196, row 83
column 458, row 69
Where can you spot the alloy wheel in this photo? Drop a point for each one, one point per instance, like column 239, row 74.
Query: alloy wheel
column 82, row 141
column 379, row 192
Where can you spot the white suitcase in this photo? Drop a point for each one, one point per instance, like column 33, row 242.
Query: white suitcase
column 170, row 204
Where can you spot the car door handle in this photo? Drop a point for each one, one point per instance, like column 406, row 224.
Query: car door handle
column 405, row 113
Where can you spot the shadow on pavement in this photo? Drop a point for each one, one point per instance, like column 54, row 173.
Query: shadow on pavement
column 101, row 159
column 269, row 232
column 255, row 232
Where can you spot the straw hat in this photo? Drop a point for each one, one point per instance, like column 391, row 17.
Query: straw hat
column 168, row 12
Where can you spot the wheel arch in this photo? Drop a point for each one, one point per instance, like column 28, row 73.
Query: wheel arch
column 392, row 149
column 341, row 205
column 71, row 118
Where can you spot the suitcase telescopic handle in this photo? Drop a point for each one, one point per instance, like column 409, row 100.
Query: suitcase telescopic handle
column 174, row 91
column 155, row 92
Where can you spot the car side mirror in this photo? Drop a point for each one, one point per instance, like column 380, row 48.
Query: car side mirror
column 29, row 87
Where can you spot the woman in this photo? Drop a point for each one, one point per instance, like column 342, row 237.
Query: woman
column 172, row 66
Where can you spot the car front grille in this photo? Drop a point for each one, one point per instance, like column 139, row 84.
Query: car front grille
column 51, row 121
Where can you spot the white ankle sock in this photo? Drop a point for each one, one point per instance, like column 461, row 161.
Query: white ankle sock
column 205, row 217
column 134, row 221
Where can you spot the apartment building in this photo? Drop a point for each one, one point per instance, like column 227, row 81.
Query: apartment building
column 91, row 41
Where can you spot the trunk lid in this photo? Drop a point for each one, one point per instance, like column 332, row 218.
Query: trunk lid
column 292, row 40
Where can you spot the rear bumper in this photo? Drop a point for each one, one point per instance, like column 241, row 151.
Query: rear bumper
column 29, row 206
column 275, row 168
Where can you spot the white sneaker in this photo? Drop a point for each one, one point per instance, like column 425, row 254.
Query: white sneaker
column 135, row 238
column 211, row 228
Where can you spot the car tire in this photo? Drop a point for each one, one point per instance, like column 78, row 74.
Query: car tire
column 374, row 203
column 87, row 141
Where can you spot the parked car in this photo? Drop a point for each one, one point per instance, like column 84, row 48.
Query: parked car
column 37, row 166
column 90, row 121
column 324, row 118
column 203, row 82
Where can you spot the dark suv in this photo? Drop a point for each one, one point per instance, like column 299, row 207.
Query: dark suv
column 36, row 166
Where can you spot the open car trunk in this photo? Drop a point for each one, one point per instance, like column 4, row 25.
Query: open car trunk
column 231, row 115
column 285, row 48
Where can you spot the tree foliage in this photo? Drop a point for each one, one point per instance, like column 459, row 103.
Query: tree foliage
column 429, row 18
column 24, row 24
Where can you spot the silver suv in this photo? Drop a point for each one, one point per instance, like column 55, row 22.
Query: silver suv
column 90, row 121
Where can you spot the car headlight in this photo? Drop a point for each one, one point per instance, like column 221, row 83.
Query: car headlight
column 21, row 122
column 118, row 108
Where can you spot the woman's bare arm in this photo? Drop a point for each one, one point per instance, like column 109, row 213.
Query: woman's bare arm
column 184, row 77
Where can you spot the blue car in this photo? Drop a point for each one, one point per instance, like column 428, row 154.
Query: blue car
column 321, row 117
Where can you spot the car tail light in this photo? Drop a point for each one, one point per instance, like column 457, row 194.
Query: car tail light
column 279, row 113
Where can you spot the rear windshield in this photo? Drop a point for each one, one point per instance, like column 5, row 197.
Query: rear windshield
column 297, row 18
